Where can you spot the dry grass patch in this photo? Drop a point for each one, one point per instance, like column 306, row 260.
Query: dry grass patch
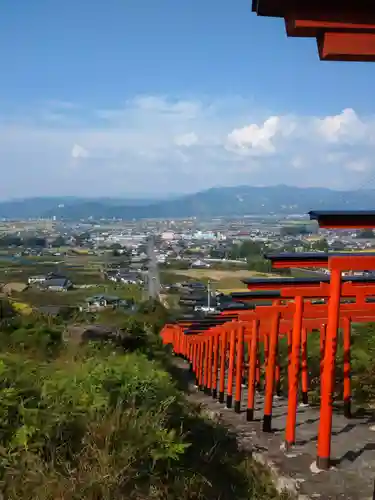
column 218, row 275
column 222, row 279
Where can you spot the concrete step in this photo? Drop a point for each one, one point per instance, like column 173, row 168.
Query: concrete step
column 353, row 447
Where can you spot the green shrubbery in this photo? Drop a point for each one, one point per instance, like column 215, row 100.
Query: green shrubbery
column 94, row 422
column 93, row 427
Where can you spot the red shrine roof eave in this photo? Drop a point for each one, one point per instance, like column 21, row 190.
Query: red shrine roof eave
column 344, row 219
column 255, row 285
column 343, row 261
column 257, row 295
column 345, row 31
column 310, row 28
column 294, row 259
column 362, row 11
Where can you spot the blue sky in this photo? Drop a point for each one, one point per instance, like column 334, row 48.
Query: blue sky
column 122, row 97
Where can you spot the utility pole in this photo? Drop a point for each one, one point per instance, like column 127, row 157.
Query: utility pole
column 208, row 294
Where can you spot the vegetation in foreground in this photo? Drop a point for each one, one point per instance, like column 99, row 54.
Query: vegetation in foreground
column 99, row 421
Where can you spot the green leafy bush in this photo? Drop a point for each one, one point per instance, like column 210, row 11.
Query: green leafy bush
column 94, row 422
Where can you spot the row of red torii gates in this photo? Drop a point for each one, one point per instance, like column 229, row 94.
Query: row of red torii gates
column 215, row 345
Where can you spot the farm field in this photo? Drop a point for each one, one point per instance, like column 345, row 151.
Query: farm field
column 85, row 271
column 217, row 274
column 225, row 281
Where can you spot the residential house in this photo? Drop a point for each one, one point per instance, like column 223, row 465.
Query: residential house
column 34, row 280
column 98, row 302
column 129, row 278
column 40, row 279
column 200, row 264
column 57, row 285
column 336, row 245
column 103, row 301
column 111, row 275
column 137, row 266
column 193, row 286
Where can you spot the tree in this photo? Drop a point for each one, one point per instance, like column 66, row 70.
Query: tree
column 260, row 265
column 245, row 250
column 58, row 242
column 10, row 241
column 82, row 238
column 218, row 253
column 293, row 230
column 35, row 242
column 320, row 245
column 366, row 233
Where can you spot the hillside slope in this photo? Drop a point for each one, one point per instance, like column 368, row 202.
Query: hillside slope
column 240, row 200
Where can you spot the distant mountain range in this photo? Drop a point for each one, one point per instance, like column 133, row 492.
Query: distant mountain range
column 240, row 200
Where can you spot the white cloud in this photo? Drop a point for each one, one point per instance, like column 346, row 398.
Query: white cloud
column 360, row 165
column 257, row 138
column 159, row 144
column 79, row 152
column 59, row 104
column 298, row 162
column 186, row 140
column 157, row 104
column 345, row 126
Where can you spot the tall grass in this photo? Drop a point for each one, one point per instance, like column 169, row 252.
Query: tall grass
column 94, row 422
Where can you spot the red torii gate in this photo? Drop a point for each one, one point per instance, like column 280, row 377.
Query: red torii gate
column 344, row 31
column 173, row 333
column 366, row 262
column 204, row 364
column 336, row 264
column 360, row 313
column 310, row 311
column 350, row 290
column 357, row 288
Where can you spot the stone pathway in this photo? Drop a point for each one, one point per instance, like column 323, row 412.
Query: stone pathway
column 353, row 448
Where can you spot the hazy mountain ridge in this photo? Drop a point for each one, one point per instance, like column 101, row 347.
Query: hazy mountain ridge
column 240, row 200
column 29, row 208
